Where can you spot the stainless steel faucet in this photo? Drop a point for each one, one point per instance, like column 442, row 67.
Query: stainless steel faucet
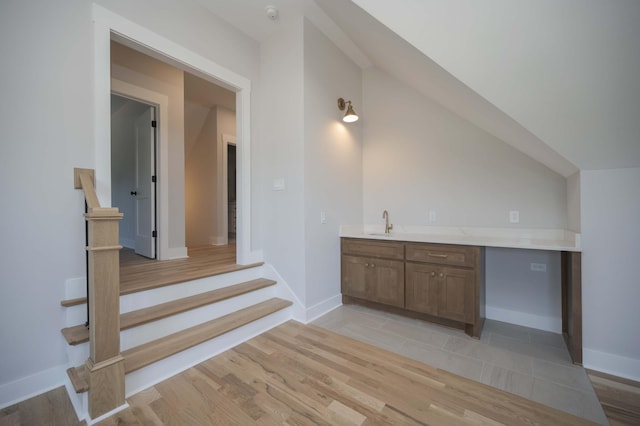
column 387, row 227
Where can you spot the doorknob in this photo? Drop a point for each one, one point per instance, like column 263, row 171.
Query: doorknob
column 134, row 192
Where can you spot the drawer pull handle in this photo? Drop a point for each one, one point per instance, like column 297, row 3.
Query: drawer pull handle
column 442, row 256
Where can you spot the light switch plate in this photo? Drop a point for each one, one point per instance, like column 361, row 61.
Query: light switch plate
column 514, row 216
column 278, row 184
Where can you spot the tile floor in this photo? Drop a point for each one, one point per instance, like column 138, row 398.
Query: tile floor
column 531, row 363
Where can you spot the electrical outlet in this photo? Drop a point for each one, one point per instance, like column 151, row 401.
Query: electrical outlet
column 432, row 216
column 539, row 267
column 514, row 216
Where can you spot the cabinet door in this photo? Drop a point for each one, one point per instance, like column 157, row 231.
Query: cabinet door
column 385, row 282
column 456, row 294
column 354, row 276
column 422, row 288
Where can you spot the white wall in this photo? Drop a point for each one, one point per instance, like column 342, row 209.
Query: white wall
column 610, row 279
column 280, row 154
column 573, row 202
column 419, row 157
column 333, row 162
column 47, row 121
column 518, row 295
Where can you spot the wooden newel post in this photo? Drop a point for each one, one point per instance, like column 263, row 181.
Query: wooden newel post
column 105, row 365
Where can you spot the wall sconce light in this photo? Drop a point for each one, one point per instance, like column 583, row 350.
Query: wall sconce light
column 350, row 116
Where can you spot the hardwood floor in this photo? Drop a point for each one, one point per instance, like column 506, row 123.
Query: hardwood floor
column 51, row 408
column 139, row 273
column 300, row 374
column 620, row 398
column 303, row 374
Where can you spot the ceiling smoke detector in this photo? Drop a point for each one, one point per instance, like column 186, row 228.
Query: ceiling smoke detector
column 272, row 12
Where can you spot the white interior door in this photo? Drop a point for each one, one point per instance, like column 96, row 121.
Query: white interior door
column 144, row 191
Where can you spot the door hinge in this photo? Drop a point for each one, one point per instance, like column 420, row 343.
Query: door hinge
column 153, row 179
column 154, row 234
column 154, row 123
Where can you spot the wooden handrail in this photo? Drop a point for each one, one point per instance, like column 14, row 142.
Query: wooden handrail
column 84, row 179
column 105, row 365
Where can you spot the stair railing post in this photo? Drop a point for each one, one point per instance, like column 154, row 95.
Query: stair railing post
column 105, row 366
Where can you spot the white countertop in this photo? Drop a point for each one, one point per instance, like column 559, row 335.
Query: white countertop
column 522, row 238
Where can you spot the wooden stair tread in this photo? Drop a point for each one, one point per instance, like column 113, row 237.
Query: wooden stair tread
column 80, row 334
column 148, row 353
column 79, row 380
column 170, row 279
column 73, row 302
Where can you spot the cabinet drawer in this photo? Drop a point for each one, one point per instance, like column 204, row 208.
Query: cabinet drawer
column 442, row 254
column 373, row 248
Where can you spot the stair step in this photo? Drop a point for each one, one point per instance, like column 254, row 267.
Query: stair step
column 80, row 334
column 73, row 302
column 169, row 279
column 148, row 353
column 79, row 380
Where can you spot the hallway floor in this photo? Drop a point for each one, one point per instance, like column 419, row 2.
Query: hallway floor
column 527, row 362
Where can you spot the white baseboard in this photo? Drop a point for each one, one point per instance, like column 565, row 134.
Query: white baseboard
column 285, row 292
column 323, row 307
column 616, row 365
column 128, row 243
column 174, row 253
column 217, row 240
column 524, row 319
column 27, row 387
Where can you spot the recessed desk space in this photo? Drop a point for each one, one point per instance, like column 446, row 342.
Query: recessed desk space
column 437, row 274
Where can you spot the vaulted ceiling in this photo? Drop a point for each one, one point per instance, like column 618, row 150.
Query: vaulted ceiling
column 559, row 80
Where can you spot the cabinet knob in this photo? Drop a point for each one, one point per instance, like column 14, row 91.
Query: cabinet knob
column 366, row 265
column 441, row 275
column 373, row 265
column 433, row 274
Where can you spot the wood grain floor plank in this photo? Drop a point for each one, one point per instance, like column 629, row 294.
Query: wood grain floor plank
column 138, row 273
column 301, row 375
column 620, row 398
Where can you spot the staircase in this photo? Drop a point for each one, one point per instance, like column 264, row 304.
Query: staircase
column 167, row 329
column 161, row 322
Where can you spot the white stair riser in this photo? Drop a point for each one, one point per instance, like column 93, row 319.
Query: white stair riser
column 144, row 299
column 139, row 335
column 75, row 315
column 77, row 354
column 162, row 370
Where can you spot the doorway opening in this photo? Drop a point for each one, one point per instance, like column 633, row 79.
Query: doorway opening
column 133, row 171
column 110, row 27
column 196, row 118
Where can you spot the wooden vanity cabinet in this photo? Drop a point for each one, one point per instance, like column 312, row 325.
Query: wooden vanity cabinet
column 443, row 283
column 441, row 280
column 444, row 292
column 373, row 271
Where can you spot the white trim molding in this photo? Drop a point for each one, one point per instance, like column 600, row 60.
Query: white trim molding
column 616, row 365
column 108, row 26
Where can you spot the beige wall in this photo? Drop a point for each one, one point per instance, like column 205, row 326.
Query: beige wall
column 203, row 153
